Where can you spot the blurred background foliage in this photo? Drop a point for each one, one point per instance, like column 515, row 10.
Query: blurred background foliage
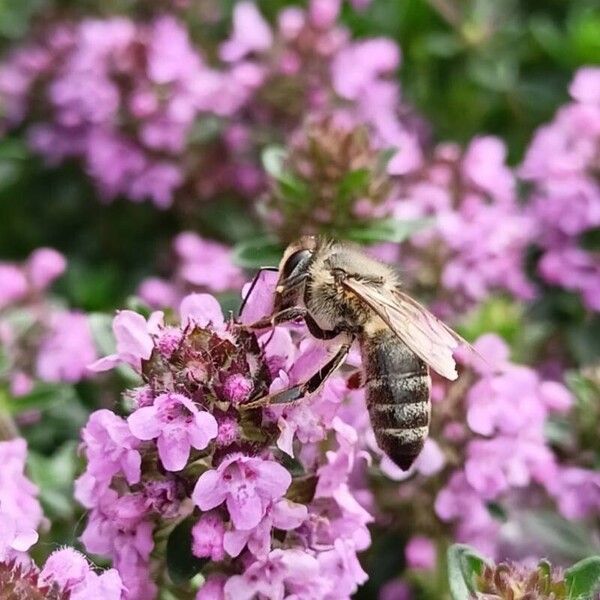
column 472, row 67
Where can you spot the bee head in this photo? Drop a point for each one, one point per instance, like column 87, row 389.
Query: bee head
column 293, row 267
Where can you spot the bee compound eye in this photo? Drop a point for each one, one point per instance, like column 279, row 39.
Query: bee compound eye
column 295, row 259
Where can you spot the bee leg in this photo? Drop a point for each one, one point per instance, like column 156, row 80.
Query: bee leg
column 317, row 332
column 283, row 316
column 313, row 384
column 252, row 286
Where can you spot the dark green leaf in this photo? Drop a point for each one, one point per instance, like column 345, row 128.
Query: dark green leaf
column 590, row 240
column 302, row 489
column 181, row 563
column 386, row 230
column 42, row 397
column 257, row 252
column 464, row 564
column 583, row 579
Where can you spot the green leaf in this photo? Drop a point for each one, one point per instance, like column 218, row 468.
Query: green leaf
column 386, row 230
column 181, row 563
column 590, row 240
column 558, row 535
column 54, row 477
column 583, row 579
column 257, row 252
column 353, row 183
column 293, row 190
column 43, row 396
column 464, row 564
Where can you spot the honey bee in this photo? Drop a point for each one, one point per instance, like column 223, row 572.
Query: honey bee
column 340, row 291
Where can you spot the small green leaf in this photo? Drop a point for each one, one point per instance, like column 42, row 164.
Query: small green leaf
column 181, row 563
column 293, row 190
column 386, row 230
column 257, row 252
column 464, row 564
column 353, row 183
column 583, row 579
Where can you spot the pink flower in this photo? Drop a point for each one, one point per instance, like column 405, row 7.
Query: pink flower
column 247, row 485
column 207, row 535
column 202, row 310
column 251, row 33
column 111, row 448
column 284, row 515
column 282, row 571
column 134, row 342
column 14, row 536
column 420, row 553
column 18, row 495
column 70, row 570
column 67, row 349
column 212, row 588
column 177, row 424
column 206, row 263
column 341, row 570
column 237, row 388
column 43, row 266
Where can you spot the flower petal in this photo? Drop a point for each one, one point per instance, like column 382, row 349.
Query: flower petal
column 288, row 515
column 144, row 423
column 209, row 491
column 201, row 309
column 234, row 541
column 173, row 448
column 202, row 430
column 273, row 479
column 105, row 364
column 131, row 331
column 24, row 540
column 246, row 510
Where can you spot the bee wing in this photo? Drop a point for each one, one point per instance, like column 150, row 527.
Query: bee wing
column 430, row 339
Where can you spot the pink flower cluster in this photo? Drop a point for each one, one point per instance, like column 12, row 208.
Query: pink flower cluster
column 20, row 511
column 41, row 341
column 66, row 575
column 477, row 241
column 147, row 115
column 121, row 96
column 562, row 165
column 275, row 517
column 505, row 450
column 201, row 265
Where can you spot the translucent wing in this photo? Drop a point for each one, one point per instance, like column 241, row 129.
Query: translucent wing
column 430, row 339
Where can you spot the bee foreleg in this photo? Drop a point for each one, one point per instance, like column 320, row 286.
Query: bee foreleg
column 316, row 331
column 312, row 385
column 283, row 316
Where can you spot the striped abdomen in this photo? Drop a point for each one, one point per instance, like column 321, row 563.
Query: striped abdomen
column 397, row 385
